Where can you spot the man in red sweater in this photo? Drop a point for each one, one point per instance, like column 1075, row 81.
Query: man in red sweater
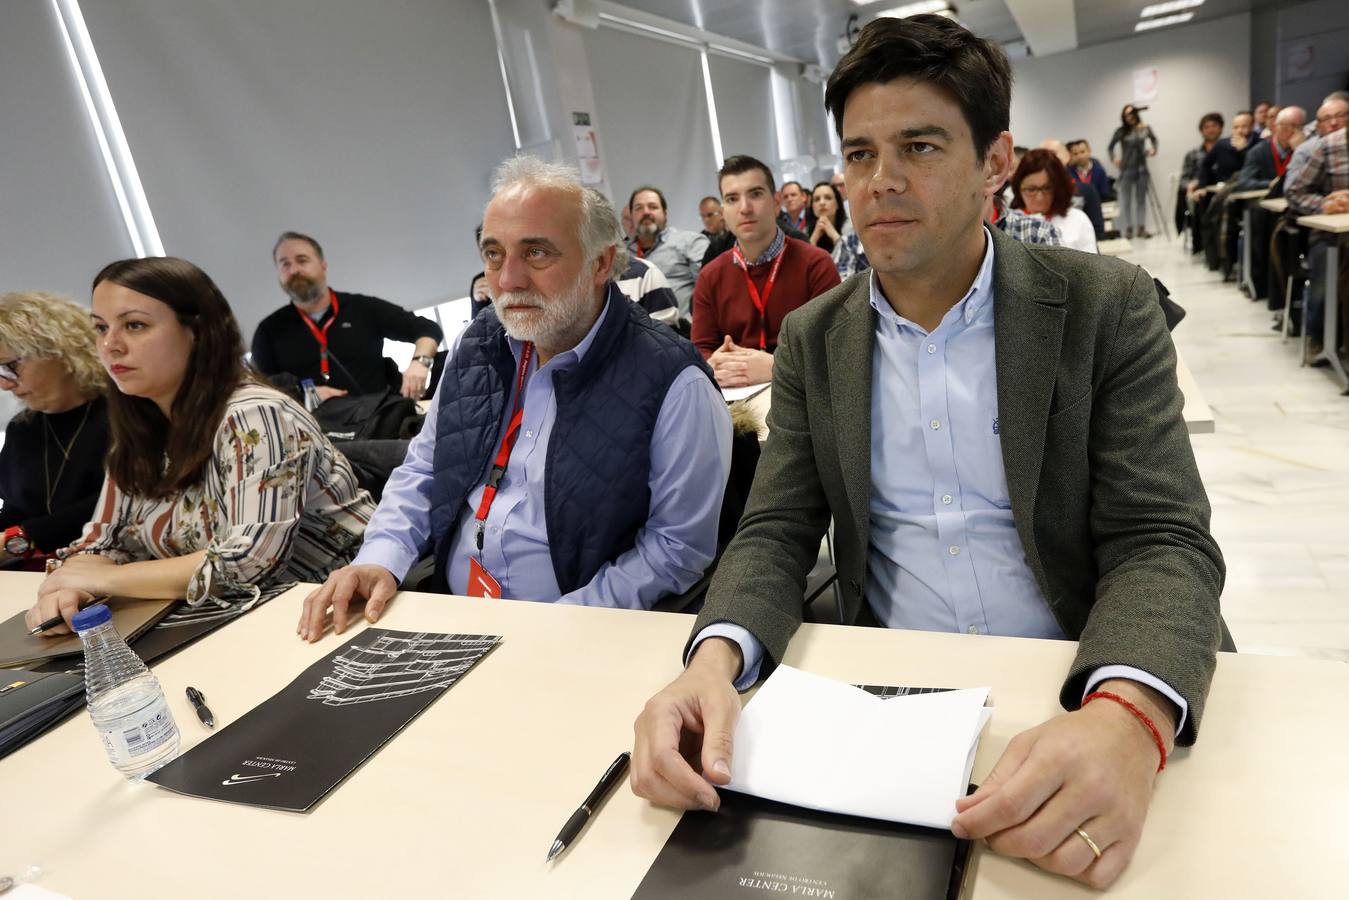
column 741, row 297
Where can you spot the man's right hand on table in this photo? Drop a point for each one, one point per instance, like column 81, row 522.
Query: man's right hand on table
column 350, row 584
column 689, row 724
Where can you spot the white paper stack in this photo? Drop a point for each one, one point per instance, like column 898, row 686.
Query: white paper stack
column 823, row 744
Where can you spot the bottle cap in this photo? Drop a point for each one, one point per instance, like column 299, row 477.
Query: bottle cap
column 91, row 617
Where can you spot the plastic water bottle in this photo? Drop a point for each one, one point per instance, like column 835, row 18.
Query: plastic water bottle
column 125, row 701
column 311, row 395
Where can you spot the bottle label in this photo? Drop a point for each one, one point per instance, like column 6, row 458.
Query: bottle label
column 151, row 729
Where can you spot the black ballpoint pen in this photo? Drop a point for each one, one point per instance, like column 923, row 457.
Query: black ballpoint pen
column 587, row 809
column 198, row 701
column 57, row 620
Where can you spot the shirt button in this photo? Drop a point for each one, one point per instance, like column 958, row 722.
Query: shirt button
column 973, row 629
column 931, row 348
column 946, row 499
column 529, row 434
column 935, row 423
column 953, row 550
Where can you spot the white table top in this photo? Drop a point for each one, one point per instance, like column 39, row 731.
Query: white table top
column 467, row 799
column 1248, row 195
column 1277, row 205
column 1335, row 224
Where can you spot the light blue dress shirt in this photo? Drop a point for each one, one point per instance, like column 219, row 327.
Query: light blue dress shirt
column 944, row 552
column 690, row 459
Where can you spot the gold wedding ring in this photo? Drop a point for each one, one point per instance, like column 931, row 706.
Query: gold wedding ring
column 1090, row 843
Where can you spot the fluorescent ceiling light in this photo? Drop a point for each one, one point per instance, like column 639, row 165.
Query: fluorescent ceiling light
column 1148, row 24
column 651, row 29
column 1161, row 9
column 732, row 51
column 916, row 9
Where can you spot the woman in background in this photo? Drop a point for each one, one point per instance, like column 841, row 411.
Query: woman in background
column 1131, row 158
column 826, row 219
column 219, row 487
column 51, row 467
column 1042, row 186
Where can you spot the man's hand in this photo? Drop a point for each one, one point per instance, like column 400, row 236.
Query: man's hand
column 373, row 584
column 1336, row 202
column 414, row 380
column 64, row 603
column 1092, row 769
column 327, row 393
column 691, row 721
column 1119, row 163
column 736, row 366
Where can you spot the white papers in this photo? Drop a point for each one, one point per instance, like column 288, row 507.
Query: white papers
column 823, row 744
column 33, row 892
column 742, row 393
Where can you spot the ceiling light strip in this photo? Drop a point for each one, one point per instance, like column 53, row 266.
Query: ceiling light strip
column 712, row 111
column 1161, row 9
column 1149, row 24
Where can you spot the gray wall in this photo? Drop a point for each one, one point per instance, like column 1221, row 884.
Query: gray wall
column 1325, row 25
column 61, row 223
column 1201, row 67
column 373, row 127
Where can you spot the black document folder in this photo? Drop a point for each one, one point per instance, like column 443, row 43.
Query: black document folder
column 31, row 701
column 757, row 848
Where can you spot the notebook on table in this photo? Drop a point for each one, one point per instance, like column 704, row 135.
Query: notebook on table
column 132, row 618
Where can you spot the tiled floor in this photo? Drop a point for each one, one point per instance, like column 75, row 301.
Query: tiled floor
column 1277, row 468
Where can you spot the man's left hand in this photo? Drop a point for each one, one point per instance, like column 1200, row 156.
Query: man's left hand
column 742, row 367
column 414, row 380
column 1092, row 769
column 1335, row 203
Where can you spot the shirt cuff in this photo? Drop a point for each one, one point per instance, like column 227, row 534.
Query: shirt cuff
column 1105, row 673
column 386, row 552
column 750, row 650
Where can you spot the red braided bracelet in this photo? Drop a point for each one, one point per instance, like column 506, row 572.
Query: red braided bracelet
column 1142, row 717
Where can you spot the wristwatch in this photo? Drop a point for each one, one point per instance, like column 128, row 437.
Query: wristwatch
column 427, row 361
column 17, row 542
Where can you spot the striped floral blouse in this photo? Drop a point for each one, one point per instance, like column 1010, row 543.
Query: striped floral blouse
column 278, row 505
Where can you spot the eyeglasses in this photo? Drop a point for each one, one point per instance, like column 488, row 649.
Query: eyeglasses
column 9, row 370
column 1333, row 117
column 1037, row 190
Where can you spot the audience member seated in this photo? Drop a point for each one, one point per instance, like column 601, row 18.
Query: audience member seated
column 645, row 285
column 1262, row 119
column 742, row 296
column 1084, row 196
column 1267, row 161
column 1041, row 187
column 840, row 185
column 575, row 453
column 1130, row 151
column 334, row 338
column 794, row 207
column 714, row 223
column 677, row 253
column 827, row 220
column 1087, row 169
column 51, row 467
column 1210, row 129
column 1321, row 186
column 1228, row 155
column 1333, row 113
column 1019, row 226
column 219, row 488
column 995, row 432
column 726, row 240
column 478, row 298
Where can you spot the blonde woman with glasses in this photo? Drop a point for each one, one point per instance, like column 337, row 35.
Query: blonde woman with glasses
column 51, row 467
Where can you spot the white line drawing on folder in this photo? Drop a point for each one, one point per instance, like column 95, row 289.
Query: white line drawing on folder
column 400, row 665
column 244, row 779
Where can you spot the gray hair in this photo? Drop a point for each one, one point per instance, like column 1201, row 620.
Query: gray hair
column 600, row 228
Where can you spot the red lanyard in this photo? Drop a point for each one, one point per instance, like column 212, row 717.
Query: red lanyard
column 760, row 303
column 503, row 456
column 1078, row 176
column 321, row 335
column 1280, row 165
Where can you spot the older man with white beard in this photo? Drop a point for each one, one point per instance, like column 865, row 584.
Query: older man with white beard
column 576, row 452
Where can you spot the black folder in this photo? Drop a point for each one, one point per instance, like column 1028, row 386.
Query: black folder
column 31, row 701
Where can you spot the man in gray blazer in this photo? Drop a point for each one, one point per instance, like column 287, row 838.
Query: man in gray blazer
column 1012, row 461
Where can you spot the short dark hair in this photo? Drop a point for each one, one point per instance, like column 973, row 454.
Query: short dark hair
column 934, row 49
column 740, row 164
column 296, row 236
column 1211, row 117
column 716, row 200
column 1244, row 112
column 1076, row 141
column 799, row 185
column 1020, row 150
column 1041, row 160
column 652, row 189
column 142, row 438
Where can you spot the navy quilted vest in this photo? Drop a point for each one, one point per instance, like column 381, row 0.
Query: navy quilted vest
column 596, row 492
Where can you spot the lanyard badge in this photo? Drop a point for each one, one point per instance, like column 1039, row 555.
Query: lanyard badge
column 760, row 302
column 480, row 581
column 321, row 334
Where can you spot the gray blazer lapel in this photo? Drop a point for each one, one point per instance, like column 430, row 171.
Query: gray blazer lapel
column 850, row 343
column 1028, row 322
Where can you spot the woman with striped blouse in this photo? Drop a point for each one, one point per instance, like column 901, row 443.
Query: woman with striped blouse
column 219, row 488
